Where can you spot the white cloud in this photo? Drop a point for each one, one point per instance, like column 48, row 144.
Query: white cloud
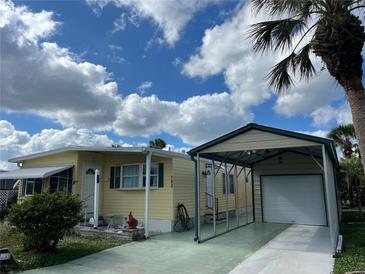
column 307, row 96
column 318, row 133
column 170, row 16
column 14, row 142
column 226, row 50
column 194, row 120
column 144, row 86
column 80, row 94
column 322, row 116
column 120, row 23
column 51, row 81
column 325, row 115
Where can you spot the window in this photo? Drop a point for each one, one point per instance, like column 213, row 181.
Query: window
column 133, row 176
column 130, row 176
column 114, row 177
column 153, row 176
column 230, row 184
column 61, row 182
column 32, row 186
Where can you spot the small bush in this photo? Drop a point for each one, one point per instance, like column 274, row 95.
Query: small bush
column 45, row 218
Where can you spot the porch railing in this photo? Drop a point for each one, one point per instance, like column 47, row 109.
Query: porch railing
column 209, row 202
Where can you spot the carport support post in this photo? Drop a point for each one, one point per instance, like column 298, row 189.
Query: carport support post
column 245, row 181
column 236, row 193
column 226, row 177
column 147, row 194
column 214, row 203
column 96, row 199
column 197, row 198
column 327, row 197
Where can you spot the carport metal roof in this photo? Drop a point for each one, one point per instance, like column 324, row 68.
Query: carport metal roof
column 248, row 158
column 34, row 172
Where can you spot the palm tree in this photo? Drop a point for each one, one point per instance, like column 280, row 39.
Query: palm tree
column 335, row 34
column 158, row 143
column 344, row 136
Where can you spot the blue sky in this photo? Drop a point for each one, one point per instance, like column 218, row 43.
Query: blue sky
column 126, row 71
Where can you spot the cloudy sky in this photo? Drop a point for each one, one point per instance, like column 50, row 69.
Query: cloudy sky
column 103, row 72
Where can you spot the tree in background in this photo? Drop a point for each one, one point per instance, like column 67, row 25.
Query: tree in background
column 345, row 138
column 351, row 177
column 351, row 172
column 328, row 28
column 157, row 143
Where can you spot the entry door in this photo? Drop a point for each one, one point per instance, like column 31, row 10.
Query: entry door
column 293, row 199
column 209, row 178
column 88, row 186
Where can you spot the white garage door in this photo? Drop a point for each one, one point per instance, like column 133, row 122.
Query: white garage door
column 293, row 199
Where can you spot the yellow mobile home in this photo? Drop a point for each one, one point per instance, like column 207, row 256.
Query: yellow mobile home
column 123, row 182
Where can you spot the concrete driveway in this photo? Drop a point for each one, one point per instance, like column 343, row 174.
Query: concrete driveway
column 174, row 253
column 299, row 249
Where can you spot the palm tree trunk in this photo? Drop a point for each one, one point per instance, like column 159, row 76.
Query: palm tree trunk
column 356, row 96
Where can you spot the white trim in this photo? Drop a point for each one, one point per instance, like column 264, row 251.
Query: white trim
column 140, row 176
column 158, row 225
column 156, row 152
column 25, row 185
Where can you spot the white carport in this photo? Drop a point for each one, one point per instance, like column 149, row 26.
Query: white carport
column 293, row 175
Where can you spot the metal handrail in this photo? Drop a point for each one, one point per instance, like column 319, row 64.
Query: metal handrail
column 208, row 195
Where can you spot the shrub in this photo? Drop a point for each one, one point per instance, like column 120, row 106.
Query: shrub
column 45, row 218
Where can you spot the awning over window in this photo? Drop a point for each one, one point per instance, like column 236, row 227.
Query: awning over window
column 34, row 172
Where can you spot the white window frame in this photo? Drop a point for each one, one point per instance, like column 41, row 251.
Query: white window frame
column 140, row 176
column 229, row 184
column 58, row 181
column 33, row 188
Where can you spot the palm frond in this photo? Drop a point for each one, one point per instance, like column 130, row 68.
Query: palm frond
column 277, row 34
column 280, row 77
column 304, row 63
column 292, row 7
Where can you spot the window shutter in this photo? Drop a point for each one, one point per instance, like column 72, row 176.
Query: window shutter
column 117, row 177
column 112, row 176
column 38, row 186
column 160, row 174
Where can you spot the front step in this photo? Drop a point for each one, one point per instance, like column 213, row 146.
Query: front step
column 220, row 218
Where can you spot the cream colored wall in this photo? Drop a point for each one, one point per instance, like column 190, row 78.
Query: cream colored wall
column 184, row 188
column 257, row 139
column 292, row 163
column 59, row 159
column 121, row 202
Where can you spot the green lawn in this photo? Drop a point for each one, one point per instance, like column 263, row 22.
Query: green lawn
column 352, row 257
column 70, row 248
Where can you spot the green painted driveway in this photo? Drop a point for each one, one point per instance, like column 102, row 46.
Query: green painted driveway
column 174, row 253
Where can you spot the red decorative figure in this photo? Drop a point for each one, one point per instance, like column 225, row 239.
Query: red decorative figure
column 131, row 221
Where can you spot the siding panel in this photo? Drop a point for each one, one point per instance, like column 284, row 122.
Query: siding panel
column 256, row 139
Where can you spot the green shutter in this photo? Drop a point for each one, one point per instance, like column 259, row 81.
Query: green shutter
column 117, row 177
column 38, row 186
column 160, row 174
column 111, row 182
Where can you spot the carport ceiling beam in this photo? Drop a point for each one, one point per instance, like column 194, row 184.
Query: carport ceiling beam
column 316, row 161
column 223, row 159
